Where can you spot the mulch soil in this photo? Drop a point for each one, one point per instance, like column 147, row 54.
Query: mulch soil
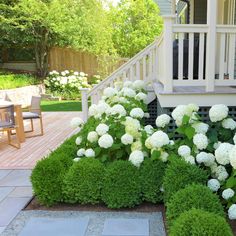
column 144, row 207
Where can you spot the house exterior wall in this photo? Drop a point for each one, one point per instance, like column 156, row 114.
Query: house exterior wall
column 165, row 6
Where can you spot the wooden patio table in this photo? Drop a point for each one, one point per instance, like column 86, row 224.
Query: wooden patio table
column 18, row 118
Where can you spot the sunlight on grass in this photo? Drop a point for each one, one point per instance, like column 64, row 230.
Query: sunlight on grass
column 69, row 105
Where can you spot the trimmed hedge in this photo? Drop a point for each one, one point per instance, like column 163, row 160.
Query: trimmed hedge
column 180, row 174
column 151, row 177
column 121, row 185
column 193, row 196
column 197, row 222
column 83, row 182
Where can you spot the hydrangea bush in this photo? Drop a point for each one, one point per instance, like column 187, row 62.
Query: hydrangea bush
column 66, row 83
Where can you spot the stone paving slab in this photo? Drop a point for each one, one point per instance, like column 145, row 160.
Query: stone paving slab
column 4, row 173
column 5, row 191
column 126, row 227
column 9, row 208
column 16, row 178
column 96, row 220
column 21, row 192
column 58, row 227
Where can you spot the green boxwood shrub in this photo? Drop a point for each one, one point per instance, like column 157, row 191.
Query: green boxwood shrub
column 83, row 182
column 151, row 177
column 179, row 174
column 196, row 222
column 193, row 196
column 121, row 186
column 47, row 178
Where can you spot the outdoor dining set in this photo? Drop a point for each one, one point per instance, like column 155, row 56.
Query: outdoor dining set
column 12, row 117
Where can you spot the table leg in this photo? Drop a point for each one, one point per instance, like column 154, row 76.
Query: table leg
column 20, row 123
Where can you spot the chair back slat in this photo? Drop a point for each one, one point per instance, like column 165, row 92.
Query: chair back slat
column 35, row 104
column 7, row 118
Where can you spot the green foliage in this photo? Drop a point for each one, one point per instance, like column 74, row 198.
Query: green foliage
column 68, row 105
column 151, row 177
column 136, row 23
column 47, row 178
column 200, row 223
column 121, row 186
column 193, row 196
column 179, row 174
column 10, row 81
column 83, row 182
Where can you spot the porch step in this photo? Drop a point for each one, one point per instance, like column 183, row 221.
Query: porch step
column 198, row 95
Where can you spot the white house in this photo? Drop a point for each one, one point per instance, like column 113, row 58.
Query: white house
column 193, row 61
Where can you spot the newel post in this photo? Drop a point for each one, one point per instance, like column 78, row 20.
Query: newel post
column 168, row 52
column 84, row 100
column 211, row 45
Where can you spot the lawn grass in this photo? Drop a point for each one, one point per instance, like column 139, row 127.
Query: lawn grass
column 11, row 81
column 68, row 105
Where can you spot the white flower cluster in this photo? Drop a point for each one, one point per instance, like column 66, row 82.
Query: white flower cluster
column 201, row 141
column 214, row 185
column 218, row 112
column 185, row 152
column 136, row 158
column 76, row 122
column 162, row 120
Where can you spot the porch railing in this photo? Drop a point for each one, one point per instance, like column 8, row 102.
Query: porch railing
column 143, row 66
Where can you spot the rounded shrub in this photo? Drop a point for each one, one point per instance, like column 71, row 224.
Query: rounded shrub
column 83, row 182
column 196, row 222
column 193, row 196
column 179, row 174
column 47, row 178
column 121, row 186
column 151, row 178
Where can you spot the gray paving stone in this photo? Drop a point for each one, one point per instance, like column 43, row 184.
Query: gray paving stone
column 21, row 192
column 4, row 173
column 10, row 207
column 58, row 227
column 2, row 229
column 4, row 192
column 126, row 227
column 17, row 178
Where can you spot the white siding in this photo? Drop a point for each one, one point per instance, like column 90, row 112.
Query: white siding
column 165, row 6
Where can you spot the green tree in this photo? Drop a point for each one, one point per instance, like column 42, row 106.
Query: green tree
column 136, row 23
column 46, row 23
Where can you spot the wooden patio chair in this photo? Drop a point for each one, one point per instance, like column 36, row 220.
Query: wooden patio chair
column 34, row 113
column 7, row 124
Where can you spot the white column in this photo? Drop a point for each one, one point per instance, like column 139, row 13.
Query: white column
column 168, row 52
column 84, row 100
column 211, row 45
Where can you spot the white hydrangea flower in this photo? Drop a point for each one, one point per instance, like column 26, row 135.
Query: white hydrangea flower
column 159, row 139
column 128, row 84
column 105, row 141
column 164, row 156
column 139, row 85
column 149, row 129
column 148, row 143
column 89, row 153
column 229, row 123
column 232, row 212
column 128, row 92
column 109, row 92
column 206, row 158
column 200, row 127
column 136, row 158
column 136, row 146
column 78, row 140
column 93, row 110
column 172, row 142
column 76, row 159
column 81, row 152
column 232, row 157
column 127, row 139
column 222, row 153
column 141, row 97
column 118, row 109
column 228, row 193
column 190, row 159
column 213, row 185
column 132, row 127
column 178, row 114
column 221, row 173
column 200, row 140
column 76, row 122
column 184, row 151
column 102, row 129
column 216, row 145
column 162, row 120
column 102, row 107
column 210, row 160
column 218, row 112
column 234, row 138
column 137, row 113
column 92, row 137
